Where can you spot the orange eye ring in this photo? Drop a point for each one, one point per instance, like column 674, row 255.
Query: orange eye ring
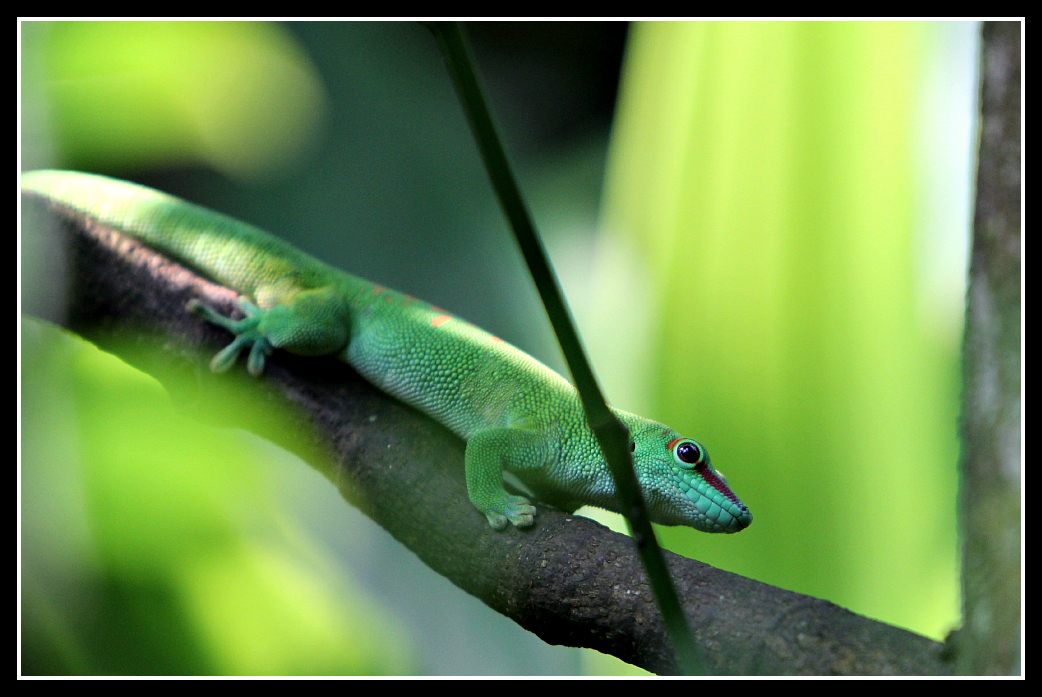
column 687, row 453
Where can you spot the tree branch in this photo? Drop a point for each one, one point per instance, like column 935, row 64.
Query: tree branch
column 990, row 481
column 567, row 579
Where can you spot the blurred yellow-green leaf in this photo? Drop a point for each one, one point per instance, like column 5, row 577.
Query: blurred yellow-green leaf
column 153, row 544
column 765, row 176
column 240, row 97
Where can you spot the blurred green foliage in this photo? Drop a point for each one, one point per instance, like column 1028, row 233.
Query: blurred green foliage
column 240, row 97
column 765, row 176
column 153, row 544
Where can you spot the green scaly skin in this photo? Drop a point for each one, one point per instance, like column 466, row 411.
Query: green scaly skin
column 514, row 412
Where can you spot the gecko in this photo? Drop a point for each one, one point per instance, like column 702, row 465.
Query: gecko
column 514, row 412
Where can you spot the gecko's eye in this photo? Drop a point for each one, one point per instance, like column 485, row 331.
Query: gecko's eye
column 633, row 446
column 688, row 454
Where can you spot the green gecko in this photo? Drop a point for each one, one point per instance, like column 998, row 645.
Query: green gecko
column 515, row 413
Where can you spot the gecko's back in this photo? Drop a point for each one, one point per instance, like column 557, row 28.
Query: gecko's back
column 459, row 374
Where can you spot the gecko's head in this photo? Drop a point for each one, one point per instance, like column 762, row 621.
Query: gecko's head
column 680, row 484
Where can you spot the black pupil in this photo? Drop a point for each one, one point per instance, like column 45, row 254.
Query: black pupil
column 633, row 446
column 689, row 453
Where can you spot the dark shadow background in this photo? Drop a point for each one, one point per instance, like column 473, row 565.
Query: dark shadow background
column 393, row 190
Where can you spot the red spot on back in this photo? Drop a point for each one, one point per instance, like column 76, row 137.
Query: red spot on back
column 440, row 320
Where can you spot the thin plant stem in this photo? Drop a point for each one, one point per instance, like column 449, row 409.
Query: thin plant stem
column 611, row 433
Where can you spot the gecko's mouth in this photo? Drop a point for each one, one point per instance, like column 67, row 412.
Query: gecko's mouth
column 733, row 523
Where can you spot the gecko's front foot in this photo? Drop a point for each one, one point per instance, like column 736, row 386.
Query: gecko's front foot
column 246, row 331
column 517, row 510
